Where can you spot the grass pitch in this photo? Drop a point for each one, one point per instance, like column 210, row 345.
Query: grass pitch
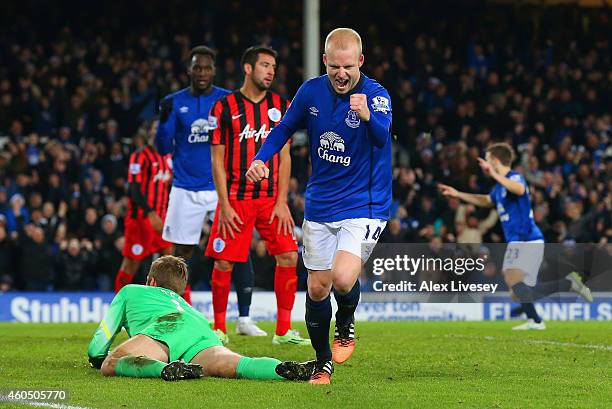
column 395, row 365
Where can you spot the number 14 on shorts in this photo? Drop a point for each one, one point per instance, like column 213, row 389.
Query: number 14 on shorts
column 376, row 234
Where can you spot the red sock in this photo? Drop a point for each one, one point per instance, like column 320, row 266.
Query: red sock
column 285, row 285
column 122, row 279
column 187, row 294
column 221, row 284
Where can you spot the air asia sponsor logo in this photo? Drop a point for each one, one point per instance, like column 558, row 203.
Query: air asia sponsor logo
column 164, row 176
column 249, row 133
column 200, row 128
column 331, row 143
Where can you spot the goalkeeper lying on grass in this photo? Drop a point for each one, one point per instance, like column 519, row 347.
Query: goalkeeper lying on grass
column 172, row 340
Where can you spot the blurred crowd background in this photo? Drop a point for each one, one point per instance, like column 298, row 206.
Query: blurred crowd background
column 76, row 86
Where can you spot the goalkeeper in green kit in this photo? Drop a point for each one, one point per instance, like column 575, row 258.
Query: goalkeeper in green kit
column 171, row 340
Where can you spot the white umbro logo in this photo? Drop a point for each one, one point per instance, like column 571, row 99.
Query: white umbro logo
column 314, row 111
column 183, row 109
column 236, row 116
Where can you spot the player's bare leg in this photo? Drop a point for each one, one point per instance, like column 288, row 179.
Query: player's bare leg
column 345, row 270
column 219, row 361
column 167, row 251
column 285, row 286
column 144, row 357
column 318, row 318
column 522, row 293
column 184, row 251
column 126, row 273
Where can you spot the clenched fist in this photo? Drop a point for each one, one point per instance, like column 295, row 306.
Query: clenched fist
column 257, row 171
column 359, row 104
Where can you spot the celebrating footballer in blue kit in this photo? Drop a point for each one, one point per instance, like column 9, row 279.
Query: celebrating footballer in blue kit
column 525, row 249
column 348, row 119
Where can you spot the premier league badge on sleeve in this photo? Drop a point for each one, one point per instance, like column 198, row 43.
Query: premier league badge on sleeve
column 212, row 123
column 380, row 104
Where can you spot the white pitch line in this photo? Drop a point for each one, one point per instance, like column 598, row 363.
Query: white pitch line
column 602, row 347
column 41, row 404
column 570, row 344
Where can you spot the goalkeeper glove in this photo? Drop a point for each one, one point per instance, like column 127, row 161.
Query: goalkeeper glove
column 96, row 362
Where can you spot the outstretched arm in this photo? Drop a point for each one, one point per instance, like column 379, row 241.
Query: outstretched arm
column 107, row 331
column 478, row 200
column 276, row 140
column 512, row 184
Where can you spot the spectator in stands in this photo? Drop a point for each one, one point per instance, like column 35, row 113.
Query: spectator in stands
column 109, row 256
column 35, row 265
column 74, row 266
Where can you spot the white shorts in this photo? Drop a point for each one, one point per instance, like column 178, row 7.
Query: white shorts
column 525, row 256
column 187, row 211
column 322, row 240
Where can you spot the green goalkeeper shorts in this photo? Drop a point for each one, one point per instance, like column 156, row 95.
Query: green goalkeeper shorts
column 184, row 335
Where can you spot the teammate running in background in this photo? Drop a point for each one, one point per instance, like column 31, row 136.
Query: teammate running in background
column 171, row 340
column 525, row 240
column 149, row 178
column 244, row 119
column 348, row 197
column 184, row 131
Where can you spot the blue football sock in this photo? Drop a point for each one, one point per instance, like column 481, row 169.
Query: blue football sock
column 347, row 304
column 523, row 292
column 243, row 278
column 516, row 311
column 530, row 311
column 318, row 317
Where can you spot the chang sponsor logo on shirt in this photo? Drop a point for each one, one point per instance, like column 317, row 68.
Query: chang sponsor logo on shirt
column 331, row 143
column 199, row 130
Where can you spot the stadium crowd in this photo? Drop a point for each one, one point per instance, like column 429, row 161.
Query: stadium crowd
column 73, row 96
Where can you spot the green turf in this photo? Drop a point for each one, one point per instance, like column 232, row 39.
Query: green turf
column 395, row 365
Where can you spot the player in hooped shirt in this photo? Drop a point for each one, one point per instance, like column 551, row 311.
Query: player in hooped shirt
column 348, row 197
column 244, row 119
column 149, row 177
column 525, row 248
column 184, row 131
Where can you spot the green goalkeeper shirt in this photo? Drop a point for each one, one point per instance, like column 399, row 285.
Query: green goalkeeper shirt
column 136, row 308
